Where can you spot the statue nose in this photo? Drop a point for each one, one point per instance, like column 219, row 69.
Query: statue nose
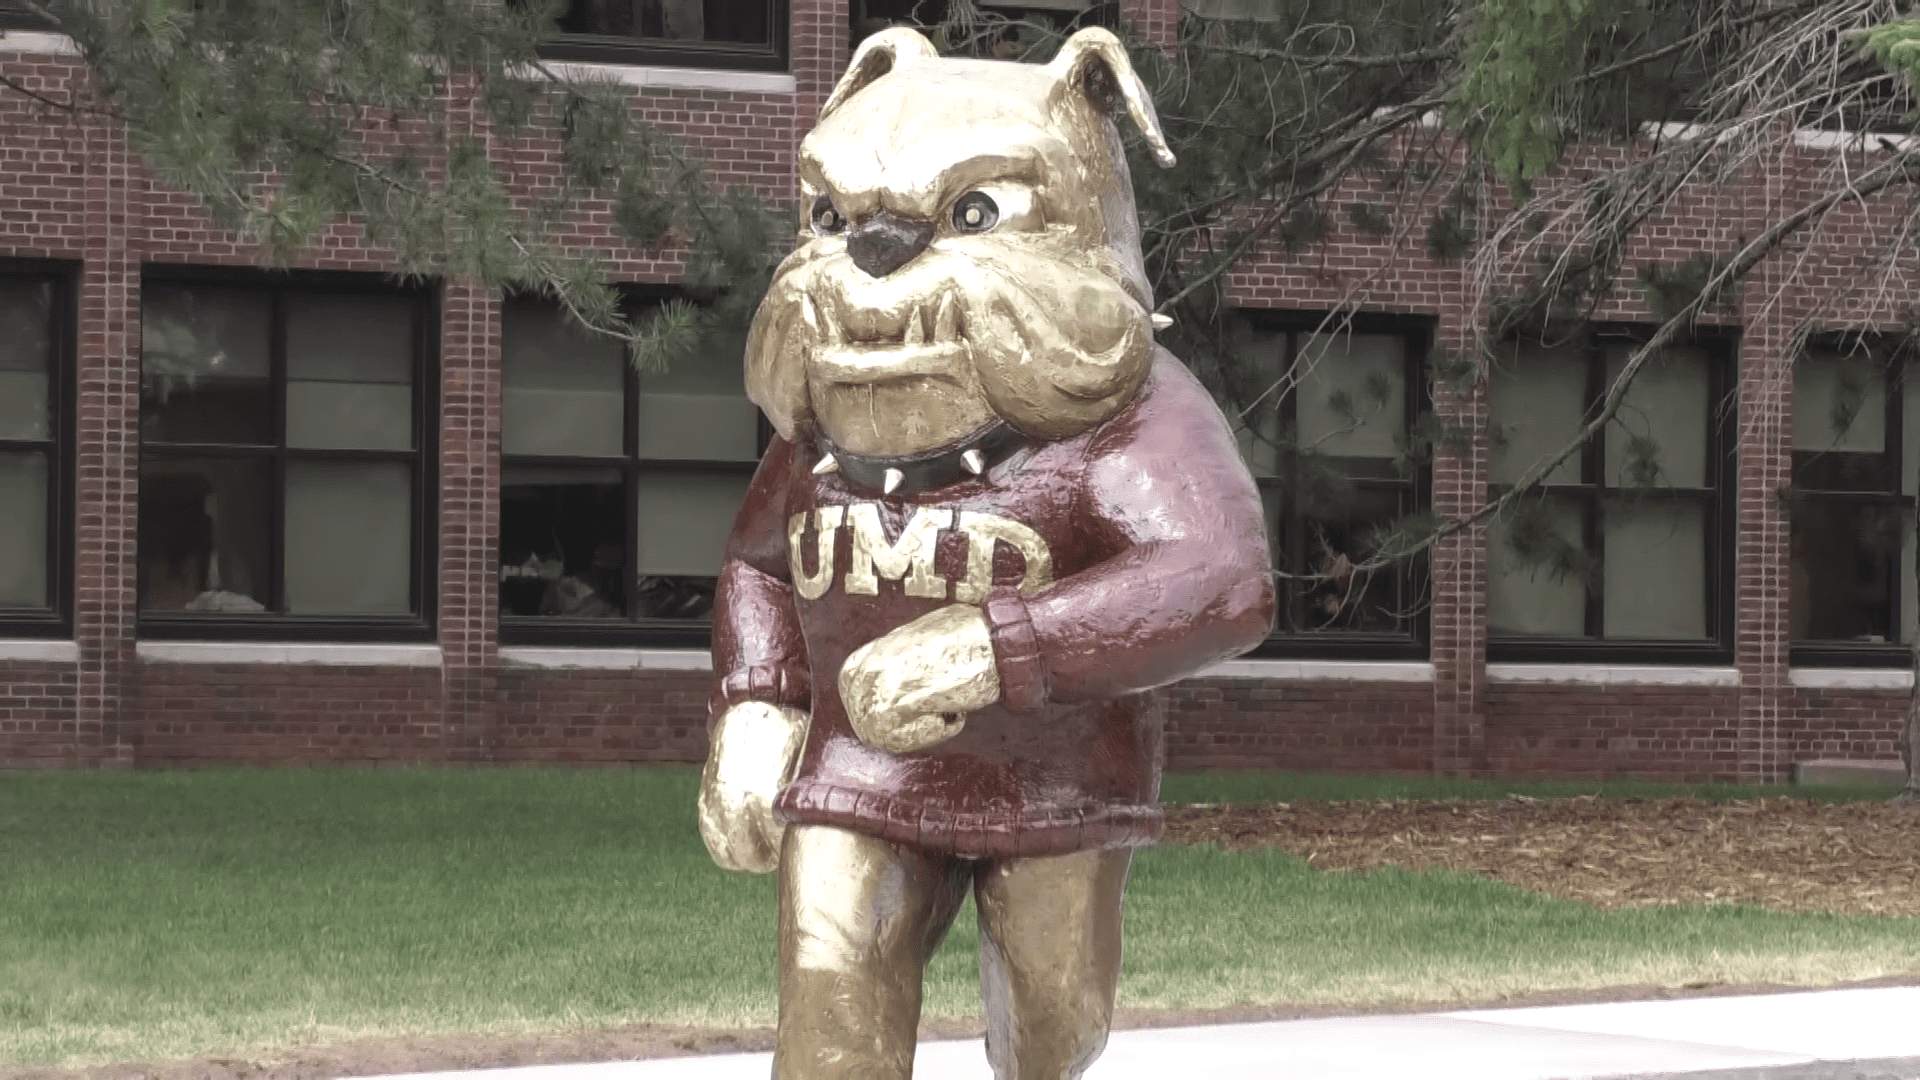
column 884, row 242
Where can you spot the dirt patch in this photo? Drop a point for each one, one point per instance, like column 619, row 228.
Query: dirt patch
column 1856, row 858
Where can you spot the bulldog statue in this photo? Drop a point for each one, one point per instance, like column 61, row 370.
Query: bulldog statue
column 996, row 517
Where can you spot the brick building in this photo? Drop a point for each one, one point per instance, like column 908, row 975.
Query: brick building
column 310, row 516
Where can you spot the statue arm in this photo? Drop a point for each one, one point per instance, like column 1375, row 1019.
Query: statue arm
column 1192, row 583
column 758, row 651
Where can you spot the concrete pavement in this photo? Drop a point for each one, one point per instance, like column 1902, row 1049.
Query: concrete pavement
column 1861, row 1034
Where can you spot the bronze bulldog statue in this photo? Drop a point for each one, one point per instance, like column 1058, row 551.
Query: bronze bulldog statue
column 996, row 518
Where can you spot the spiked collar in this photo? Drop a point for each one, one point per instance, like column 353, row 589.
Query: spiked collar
column 915, row 473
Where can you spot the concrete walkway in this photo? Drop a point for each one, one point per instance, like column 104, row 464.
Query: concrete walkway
column 1822, row 1035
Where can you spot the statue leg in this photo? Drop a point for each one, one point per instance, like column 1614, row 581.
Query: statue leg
column 859, row 918
column 1049, row 960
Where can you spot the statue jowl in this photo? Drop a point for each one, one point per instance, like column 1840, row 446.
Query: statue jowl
column 996, row 518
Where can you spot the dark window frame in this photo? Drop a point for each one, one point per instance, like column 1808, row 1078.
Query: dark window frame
column 424, row 547
column 15, row 16
column 626, row 630
column 55, row 619
column 1722, row 348
column 1417, row 334
column 660, row 52
column 1833, row 653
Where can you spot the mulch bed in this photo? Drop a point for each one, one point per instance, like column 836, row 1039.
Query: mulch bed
column 1856, row 858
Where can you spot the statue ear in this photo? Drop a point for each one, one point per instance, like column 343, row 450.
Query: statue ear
column 896, row 46
column 1094, row 63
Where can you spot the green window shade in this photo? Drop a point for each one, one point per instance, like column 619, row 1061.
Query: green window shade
column 1534, row 588
column 1657, row 437
column 1656, row 569
column 23, row 530
column 349, row 372
column 1537, row 397
column 683, row 518
column 349, row 537
column 698, row 409
column 1353, row 397
column 565, row 386
column 25, row 308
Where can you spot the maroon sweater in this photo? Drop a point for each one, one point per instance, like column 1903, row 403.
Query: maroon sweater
column 1108, row 564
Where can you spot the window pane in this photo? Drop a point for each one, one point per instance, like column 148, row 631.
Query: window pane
column 698, row 410
column 204, row 366
column 1331, row 544
column 1352, row 395
column 1536, row 397
column 204, row 533
column 1658, row 437
column 350, row 372
column 25, row 310
column 743, row 21
column 683, row 519
column 565, row 385
column 563, row 542
column 1909, row 486
column 1842, row 561
column 1655, row 581
column 1537, row 568
column 1256, row 415
column 1839, row 404
column 23, row 530
column 349, row 537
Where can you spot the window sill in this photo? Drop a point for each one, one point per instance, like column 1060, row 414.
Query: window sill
column 608, row 659
column 1612, row 675
column 243, row 652
column 1331, row 670
column 1824, row 678
column 42, row 652
column 657, row 77
column 37, row 41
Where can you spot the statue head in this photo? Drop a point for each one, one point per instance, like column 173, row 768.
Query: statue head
column 970, row 252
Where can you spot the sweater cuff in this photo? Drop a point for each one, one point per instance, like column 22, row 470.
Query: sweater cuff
column 1016, row 650
column 773, row 684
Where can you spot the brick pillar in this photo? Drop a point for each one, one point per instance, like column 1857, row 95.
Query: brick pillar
column 1765, row 455
column 1459, row 562
column 1156, row 21
column 470, row 518
column 817, row 45
column 107, row 438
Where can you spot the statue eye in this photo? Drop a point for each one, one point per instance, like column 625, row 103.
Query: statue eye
column 826, row 220
column 976, row 212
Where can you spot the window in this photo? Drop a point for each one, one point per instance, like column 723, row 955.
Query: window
column 15, row 15
column 284, row 484
column 618, row 488
column 1622, row 546
column 36, row 362
column 741, row 34
column 1855, row 414
column 1323, row 420
column 1005, row 31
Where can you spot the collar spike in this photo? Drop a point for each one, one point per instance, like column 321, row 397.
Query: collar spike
column 893, row 481
column 827, row 463
column 975, row 461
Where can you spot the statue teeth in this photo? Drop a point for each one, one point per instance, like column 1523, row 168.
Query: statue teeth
column 946, row 320
column 916, row 328
column 892, row 482
column 825, row 465
column 975, row 461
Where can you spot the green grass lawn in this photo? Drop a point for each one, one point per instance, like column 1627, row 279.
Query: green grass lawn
column 160, row 915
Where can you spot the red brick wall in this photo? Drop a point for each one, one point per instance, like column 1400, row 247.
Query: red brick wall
column 1686, row 733
column 1300, row 724
column 280, row 714
column 602, row 716
column 37, row 716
